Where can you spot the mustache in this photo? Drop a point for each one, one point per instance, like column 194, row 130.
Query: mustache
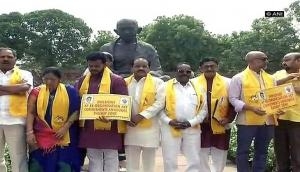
column 93, row 71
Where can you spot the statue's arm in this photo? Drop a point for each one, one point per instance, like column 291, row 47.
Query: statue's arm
column 155, row 65
column 106, row 48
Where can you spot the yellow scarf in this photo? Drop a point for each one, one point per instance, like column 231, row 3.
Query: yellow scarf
column 60, row 109
column 250, row 86
column 219, row 90
column 147, row 98
column 105, row 85
column 292, row 113
column 18, row 102
column 171, row 103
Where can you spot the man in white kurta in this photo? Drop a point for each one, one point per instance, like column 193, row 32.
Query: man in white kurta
column 189, row 113
column 13, row 110
column 142, row 141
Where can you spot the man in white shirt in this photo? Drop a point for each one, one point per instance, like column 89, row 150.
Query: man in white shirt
column 142, row 137
column 185, row 110
column 14, row 87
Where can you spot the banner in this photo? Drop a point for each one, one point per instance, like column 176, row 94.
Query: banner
column 277, row 98
column 110, row 106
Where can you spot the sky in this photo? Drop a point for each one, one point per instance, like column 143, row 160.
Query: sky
column 219, row 16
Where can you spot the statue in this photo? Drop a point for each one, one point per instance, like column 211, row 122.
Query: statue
column 127, row 48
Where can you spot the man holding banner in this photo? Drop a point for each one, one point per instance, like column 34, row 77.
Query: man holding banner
column 287, row 133
column 100, row 136
column 142, row 137
column 252, row 121
column 215, row 129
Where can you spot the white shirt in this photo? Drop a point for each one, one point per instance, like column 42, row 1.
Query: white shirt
column 5, row 116
column 186, row 103
column 145, row 137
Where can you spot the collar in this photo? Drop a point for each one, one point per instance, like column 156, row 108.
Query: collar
column 187, row 84
column 8, row 72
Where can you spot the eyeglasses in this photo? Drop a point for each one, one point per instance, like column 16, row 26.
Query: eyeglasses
column 184, row 71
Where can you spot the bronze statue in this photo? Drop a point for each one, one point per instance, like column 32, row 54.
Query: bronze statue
column 127, row 48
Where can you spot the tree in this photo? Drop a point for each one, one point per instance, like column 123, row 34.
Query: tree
column 275, row 37
column 55, row 38
column 294, row 10
column 102, row 37
column 13, row 34
column 179, row 38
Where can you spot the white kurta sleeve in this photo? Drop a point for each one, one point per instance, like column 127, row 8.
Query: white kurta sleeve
column 159, row 103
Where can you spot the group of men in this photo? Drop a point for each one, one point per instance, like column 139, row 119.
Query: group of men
column 168, row 112
column 181, row 114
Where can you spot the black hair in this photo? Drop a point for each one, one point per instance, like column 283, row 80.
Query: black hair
column 149, row 63
column 109, row 57
column 96, row 56
column 208, row 59
column 182, row 63
column 53, row 70
column 12, row 50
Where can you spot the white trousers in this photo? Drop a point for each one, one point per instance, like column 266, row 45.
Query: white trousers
column 103, row 160
column 188, row 144
column 218, row 159
column 14, row 137
column 133, row 155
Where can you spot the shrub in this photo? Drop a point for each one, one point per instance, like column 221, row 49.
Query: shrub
column 7, row 159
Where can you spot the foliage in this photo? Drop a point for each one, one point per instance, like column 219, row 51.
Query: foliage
column 183, row 38
column 275, row 37
column 7, row 159
column 179, row 38
column 52, row 37
column 294, row 10
column 13, row 34
column 102, row 37
column 47, row 38
column 56, row 38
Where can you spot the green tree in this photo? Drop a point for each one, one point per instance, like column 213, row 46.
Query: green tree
column 102, row 37
column 179, row 38
column 294, row 11
column 275, row 37
column 55, row 38
column 13, row 34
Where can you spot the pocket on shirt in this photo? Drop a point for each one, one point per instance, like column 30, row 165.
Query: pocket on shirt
column 194, row 99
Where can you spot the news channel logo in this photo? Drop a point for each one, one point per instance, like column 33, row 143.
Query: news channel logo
column 274, row 13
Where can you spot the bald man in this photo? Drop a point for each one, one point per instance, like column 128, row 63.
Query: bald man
column 252, row 121
column 287, row 133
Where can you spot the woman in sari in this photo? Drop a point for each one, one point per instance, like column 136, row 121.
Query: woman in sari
column 52, row 125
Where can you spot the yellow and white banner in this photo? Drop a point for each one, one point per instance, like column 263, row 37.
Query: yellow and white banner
column 110, row 106
column 277, row 98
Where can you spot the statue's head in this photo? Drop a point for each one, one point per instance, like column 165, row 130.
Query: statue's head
column 127, row 29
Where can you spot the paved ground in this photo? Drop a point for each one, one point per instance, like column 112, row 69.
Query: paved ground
column 159, row 167
column 181, row 163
